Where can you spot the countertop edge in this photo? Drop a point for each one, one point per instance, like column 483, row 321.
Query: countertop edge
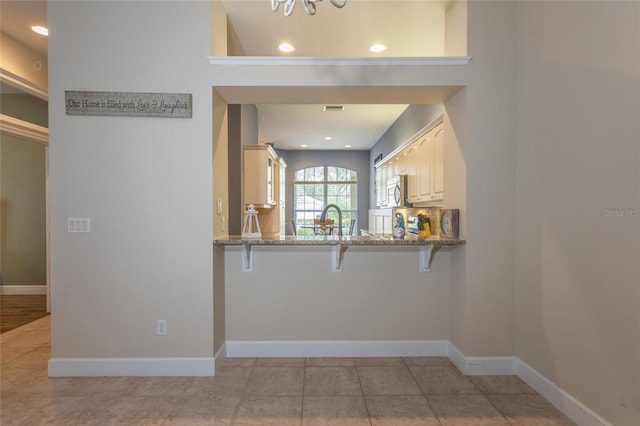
column 333, row 241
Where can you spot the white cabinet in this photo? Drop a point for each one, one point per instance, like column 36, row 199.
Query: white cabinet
column 402, row 162
column 437, row 192
column 430, row 168
column 413, row 184
column 264, row 187
column 380, row 221
column 282, row 168
column 421, row 159
column 425, row 157
column 383, row 174
column 378, row 184
column 260, row 166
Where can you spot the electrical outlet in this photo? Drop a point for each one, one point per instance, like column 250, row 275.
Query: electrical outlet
column 223, row 223
column 162, row 327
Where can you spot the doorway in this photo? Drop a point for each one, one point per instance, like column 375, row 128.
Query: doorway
column 24, row 201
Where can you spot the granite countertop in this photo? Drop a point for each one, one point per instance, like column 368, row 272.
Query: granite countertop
column 332, row 240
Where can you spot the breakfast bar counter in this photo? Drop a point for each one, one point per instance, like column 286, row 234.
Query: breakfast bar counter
column 339, row 245
column 335, row 240
column 330, row 295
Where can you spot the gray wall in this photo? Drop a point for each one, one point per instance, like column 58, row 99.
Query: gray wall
column 22, row 196
column 23, row 220
column 235, row 169
column 25, row 107
column 355, row 160
column 414, row 118
column 243, row 130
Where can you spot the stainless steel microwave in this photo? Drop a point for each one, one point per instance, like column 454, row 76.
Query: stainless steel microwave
column 397, row 191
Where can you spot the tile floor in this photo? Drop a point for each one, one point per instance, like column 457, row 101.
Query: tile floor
column 264, row 391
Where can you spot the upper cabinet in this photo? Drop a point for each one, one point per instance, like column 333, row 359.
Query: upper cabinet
column 437, row 190
column 264, row 187
column 423, row 170
column 260, row 175
column 413, row 161
column 429, row 178
column 382, row 175
column 401, row 163
column 421, row 159
column 282, row 168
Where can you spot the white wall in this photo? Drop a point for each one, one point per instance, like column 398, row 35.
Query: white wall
column 146, row 183
column 483, row 284
column 578, row 164
column 551, row 110
column 455, row 29
column 455, row 178
column 380, row 295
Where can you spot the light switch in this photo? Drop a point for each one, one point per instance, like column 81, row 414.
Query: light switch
column 219, row 206
column 78, row 224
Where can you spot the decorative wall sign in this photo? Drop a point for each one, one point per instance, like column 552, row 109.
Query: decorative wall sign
column 128, row 104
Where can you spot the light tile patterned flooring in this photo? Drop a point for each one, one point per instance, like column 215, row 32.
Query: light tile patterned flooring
column 264, row 391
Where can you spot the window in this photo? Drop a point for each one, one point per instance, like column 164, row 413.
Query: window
column 316, row 187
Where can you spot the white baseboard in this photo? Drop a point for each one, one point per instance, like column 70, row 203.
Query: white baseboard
column 336, row 348
column 557, row 396
column 92, row 367
column 482, row 366
column 22, row 290
column 569, row 406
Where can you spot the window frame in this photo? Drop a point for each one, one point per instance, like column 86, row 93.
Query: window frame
column 353, row 198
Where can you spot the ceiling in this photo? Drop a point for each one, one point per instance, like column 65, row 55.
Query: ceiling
column 18, row 16
column 290, row 126
column 407, row 27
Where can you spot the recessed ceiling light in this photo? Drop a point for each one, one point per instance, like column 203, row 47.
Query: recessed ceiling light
column 303, row 146
column 347, row 146
column 327, row 138
column 40, row 30
column 377, row 48
column 286, row 48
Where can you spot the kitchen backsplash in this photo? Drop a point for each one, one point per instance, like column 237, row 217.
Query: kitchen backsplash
column 433, row 213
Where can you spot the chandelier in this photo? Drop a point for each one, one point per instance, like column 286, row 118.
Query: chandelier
column 309, row 5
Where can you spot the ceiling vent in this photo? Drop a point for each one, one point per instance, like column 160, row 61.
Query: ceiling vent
column 336, row 108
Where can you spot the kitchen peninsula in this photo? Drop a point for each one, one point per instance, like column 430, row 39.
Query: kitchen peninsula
column 340, row 244
column 371, row 295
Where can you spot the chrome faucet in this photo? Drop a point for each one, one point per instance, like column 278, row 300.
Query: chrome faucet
column 323, row 216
